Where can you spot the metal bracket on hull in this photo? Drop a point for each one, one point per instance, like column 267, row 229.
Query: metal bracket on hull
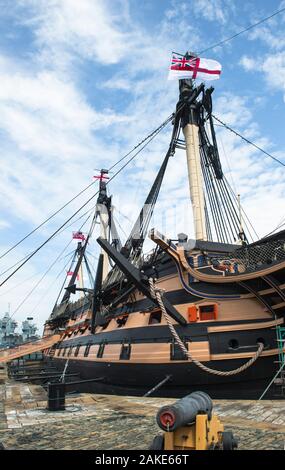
column 274, row 284
column 139, row 279
column 250, row 289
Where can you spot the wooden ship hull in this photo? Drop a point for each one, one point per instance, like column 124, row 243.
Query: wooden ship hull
column 225, row 298
column 135, row 350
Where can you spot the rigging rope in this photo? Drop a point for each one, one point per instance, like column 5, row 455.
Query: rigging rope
column 40, row 280
column 158, row 129
column 45, row 221
column 157, row 294
column 51, row 284
column 19, row 284
column 243, row 31
column 59, row 233
column 243, row 211
column 281, row 224
column 248, row 141
column 220, row 43
column 28, row 257
column 46, row 241
column 149, row 138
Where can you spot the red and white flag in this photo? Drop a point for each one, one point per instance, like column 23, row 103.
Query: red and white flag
column 194, row 67
column 78, row 236
column 70, row 273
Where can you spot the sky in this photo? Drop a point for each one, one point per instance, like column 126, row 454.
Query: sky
column 82, row 82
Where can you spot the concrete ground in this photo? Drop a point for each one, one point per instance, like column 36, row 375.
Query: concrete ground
column 112, row 422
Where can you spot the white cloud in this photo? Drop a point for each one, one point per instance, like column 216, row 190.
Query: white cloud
column 212, row 10
column 271, row 62
column 258, row 180
column 4, row 224
column 50, row 130
column 272, row 66
column 248, row 63
column 117, row 84
column 90, row 28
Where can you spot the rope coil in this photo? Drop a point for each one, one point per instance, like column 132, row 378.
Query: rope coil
column 157, row 294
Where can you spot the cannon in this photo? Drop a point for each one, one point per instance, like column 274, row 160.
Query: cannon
column 190, row 424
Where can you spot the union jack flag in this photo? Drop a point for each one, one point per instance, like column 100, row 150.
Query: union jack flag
column 181, row 63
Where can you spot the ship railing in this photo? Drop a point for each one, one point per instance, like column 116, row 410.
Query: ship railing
column 71, row 307
column 249, row 258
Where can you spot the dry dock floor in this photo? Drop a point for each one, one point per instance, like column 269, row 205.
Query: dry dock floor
column 113, row 422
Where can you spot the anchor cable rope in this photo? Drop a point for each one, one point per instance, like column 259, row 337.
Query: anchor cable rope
column 157, row 294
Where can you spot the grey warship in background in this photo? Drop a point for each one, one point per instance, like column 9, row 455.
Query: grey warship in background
column 9, row 336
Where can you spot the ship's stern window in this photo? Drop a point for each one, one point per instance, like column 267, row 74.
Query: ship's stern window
column 77, row 350
column 208, row 312
column 154, row 318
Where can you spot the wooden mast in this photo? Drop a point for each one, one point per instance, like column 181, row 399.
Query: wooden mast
column 103, row 210
column 104, row 229
column 191, row 134
column 81, row 281
column 195, row 179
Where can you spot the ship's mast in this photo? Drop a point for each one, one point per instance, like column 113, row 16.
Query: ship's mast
column 103, row 211
column 104, row 225
column 81, row 282
column 191, row 134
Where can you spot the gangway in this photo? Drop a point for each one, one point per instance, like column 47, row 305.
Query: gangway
column 8, row 355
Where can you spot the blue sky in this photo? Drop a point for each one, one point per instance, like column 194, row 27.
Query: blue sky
column 81, row 82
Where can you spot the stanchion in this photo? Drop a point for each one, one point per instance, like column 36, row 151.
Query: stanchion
column 56, row 396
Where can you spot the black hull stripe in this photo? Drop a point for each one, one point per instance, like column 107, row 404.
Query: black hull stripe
column 136, row 379
column 161, row 334
column 176, row 297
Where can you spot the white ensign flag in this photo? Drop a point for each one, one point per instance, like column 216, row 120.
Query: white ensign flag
column 194, row 67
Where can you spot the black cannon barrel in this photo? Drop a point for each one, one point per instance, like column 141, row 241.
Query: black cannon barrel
column 184, row 411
